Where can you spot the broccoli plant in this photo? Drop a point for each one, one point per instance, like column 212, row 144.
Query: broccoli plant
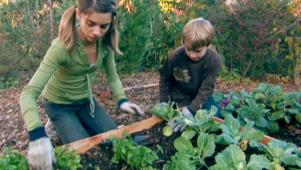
column 202, row 122
column 233, row 158
column 283, row 155
column 293, row 105
column 234, row 133
column 13, row 160
column 252, row 111
column 190, row 157
column 166, row 111
column 273, row 98
column 233, row 101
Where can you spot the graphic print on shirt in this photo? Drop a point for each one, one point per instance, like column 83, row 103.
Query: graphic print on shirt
column 181, row 75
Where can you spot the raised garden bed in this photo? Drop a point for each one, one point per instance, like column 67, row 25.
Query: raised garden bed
column 101, row 156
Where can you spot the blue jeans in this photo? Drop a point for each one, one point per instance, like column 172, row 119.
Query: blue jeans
column 73, row 121
column 210, row 102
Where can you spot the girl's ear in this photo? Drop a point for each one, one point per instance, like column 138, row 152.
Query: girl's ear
column 77, row 12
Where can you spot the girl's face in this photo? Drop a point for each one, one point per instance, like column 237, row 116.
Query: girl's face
column 196, row 55
column 93, row 25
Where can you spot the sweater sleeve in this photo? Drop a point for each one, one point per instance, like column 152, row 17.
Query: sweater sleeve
column 164, row 81
column 207, row 87
column 31, row 92
column 112, row 76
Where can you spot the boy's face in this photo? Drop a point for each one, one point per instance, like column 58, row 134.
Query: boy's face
column 196, row 55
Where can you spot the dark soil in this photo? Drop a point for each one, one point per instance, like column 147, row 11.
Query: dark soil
column 101, row 156
column 289, row 132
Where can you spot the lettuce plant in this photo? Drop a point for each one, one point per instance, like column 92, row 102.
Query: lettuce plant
column 137, row 156
column 66, row 159
column 13, row 160
column 233, row 158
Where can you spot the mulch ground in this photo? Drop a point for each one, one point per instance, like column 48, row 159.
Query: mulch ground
column 13, row 131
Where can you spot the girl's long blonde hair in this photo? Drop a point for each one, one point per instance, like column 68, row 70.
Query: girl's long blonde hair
column 67, row 28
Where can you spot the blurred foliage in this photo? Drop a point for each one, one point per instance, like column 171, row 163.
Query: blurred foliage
column 255, row 37
column 138, row 22
column 249, row 36
column 25, row 37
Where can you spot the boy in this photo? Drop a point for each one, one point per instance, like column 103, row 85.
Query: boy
column 189, row 74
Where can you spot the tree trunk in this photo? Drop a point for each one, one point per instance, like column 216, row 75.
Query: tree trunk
column 297, row 73
column 50, row 3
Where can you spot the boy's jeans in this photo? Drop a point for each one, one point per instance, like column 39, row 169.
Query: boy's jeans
column 73, row 121
column 210, row 102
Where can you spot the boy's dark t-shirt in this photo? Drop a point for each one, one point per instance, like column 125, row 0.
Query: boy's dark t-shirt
column 187, row 82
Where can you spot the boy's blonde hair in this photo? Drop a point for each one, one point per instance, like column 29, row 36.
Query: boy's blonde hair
column 198, row 33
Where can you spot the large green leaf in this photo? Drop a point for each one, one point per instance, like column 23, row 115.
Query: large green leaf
column 232, row 124
column 180, row 161
column 233, row 157
column 258, row 162
column 182, row 144
column 261, row 122
column 277, row 115
column 273, row 127
column 206, row 145
column 188, row 134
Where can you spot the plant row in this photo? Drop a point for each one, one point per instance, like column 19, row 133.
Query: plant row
column 265, row 106
column 232, row 144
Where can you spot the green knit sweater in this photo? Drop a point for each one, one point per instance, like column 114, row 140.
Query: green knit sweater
column 66, row 78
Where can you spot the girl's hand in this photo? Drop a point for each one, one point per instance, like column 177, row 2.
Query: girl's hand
column 131, row 108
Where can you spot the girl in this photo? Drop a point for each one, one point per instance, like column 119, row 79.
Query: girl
column 88, row 39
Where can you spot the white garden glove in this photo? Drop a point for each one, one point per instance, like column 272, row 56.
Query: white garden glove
column 180, row 125
column 131, row 108
column 40, row 154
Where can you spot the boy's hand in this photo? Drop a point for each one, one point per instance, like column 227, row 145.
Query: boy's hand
column 186, row 111
column 180, row 125
column 131, row 108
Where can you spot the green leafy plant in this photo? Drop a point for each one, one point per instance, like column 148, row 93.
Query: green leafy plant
column 66, row 159
column 234, row 133
column 253, row 111
column 190, row 157
column 233, row 101
column 137, row 156
column 283, row 154
column 239, row 31
column 13, row 160
column 266, row 105
column 235, row 159
column 272, row 97
column 166, row 111
column 202, row 122
column 292, row 102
